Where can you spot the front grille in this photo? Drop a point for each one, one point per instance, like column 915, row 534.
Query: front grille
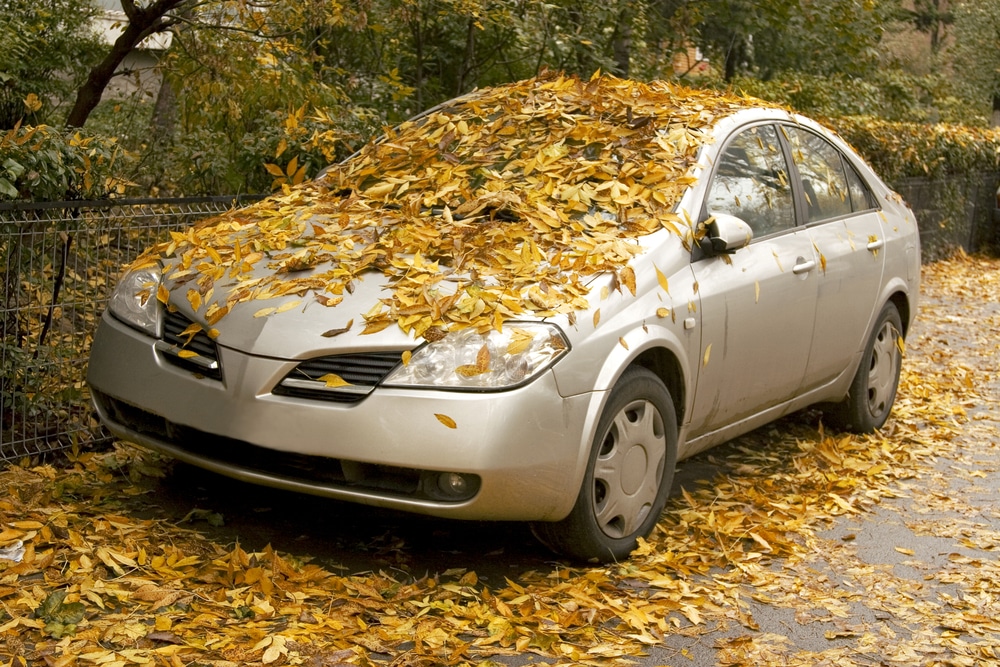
column 362, row 372
column 206, row 363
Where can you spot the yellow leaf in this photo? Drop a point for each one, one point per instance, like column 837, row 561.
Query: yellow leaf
column 708, row 352
column 194, row 298
column 663, row 312
column 905, row 551
column 380, row 189
column 32, row 103
column 761, row 541
column 520, row 340
column 264, row 312
column 274, row 170
column 621, row 341
column 407, row 355
column 662, row 279
column 187, row 354
column 627, row 276
column 287, row 306
column 597, row 317
column 446, row 420
column 375, row 326
column 162, row 294
column 334, row 380
column 469, row 370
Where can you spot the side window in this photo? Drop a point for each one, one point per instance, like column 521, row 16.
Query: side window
column 751, row 182
column 824, row 179
column 861, row 196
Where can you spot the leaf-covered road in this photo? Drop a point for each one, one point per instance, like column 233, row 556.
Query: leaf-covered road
column 788, row 546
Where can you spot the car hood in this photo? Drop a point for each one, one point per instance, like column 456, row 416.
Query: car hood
column 295, row 327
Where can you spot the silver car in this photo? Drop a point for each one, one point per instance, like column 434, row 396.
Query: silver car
column 525, row 304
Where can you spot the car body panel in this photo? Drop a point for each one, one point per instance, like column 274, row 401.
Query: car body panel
column 757, row 313
column 393, row 427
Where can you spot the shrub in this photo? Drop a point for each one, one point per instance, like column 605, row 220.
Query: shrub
column 42, row 163
column 905, row 150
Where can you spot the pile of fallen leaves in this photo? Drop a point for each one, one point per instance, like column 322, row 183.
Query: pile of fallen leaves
column 494, row 205
column 84, row 583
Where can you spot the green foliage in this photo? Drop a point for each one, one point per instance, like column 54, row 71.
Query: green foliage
column 902, row 150
column 46, row 47
column 42, row 163
column 260, row 95
column 61, row 617
column 768, row 39
column 889, row 94
column 975, row 53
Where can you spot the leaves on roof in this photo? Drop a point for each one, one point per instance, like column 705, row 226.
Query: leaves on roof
column 494, row 205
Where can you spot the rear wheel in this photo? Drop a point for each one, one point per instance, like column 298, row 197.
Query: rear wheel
column 628, row 474
column 873, row 390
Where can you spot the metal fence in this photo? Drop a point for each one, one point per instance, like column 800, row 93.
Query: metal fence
column 954, row 212
column 60, row 260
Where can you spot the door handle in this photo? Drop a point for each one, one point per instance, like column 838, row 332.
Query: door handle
column 803, row 266
column 875, row 244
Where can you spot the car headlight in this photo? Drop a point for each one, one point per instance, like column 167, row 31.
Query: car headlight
column 134, row 301
column 496, row 360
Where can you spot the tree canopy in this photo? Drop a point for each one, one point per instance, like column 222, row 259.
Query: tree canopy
column 252, row 95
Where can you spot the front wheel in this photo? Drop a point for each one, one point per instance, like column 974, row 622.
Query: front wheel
column 873, row 390
column 628, row 476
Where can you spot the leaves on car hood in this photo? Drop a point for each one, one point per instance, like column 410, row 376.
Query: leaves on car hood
column 490, row 207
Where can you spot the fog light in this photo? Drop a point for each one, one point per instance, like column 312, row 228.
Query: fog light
column 453, row 483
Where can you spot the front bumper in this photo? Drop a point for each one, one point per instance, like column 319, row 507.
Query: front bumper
column 526, row 448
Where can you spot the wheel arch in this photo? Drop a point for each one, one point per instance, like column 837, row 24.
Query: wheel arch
column 666, row 366
column 902, row 303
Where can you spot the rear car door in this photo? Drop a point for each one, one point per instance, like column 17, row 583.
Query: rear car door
column 757, row 305
column 845, row 226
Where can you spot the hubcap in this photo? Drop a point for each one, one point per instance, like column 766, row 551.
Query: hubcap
column 882, row 370
column 629, row 469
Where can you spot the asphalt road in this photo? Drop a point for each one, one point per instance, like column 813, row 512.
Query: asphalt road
column 884, row 571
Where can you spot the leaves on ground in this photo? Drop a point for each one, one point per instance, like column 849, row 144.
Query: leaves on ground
column 779, row 527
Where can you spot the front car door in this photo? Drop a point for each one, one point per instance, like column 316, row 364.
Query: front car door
column 757, row 305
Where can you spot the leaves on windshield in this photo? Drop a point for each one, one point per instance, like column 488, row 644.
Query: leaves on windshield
column 492, row 206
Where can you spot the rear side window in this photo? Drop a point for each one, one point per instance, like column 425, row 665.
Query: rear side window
column 823, row 173
column 861, row 196
column 751, row 182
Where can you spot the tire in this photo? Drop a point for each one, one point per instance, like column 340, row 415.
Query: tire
column 628, row 477
column 873, row 389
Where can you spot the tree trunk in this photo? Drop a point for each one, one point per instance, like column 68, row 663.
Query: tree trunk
column 621, row 42
column 165, row 111
column 142, row 22
column 995, row 118
column 470, row 56
column 734, row 56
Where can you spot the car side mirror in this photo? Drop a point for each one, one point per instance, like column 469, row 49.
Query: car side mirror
column 727, row 233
